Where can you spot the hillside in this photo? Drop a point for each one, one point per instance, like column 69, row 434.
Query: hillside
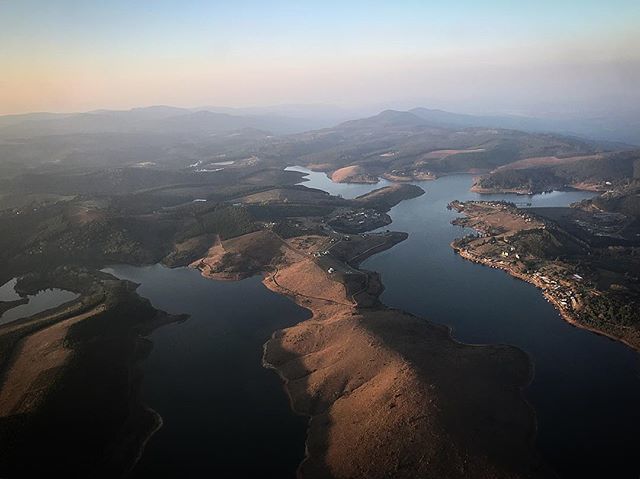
column 624, row 200
column 591, row 172
column 402, row 144
column 620, row 127
column 156, row 119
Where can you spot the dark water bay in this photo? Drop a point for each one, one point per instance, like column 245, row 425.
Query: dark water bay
column 226, row 416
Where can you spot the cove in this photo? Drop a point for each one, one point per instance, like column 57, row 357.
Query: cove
column 223, row 414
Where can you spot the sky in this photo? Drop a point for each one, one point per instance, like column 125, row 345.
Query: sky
column 543, row 57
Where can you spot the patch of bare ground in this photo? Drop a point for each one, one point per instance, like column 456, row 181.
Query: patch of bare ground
column 494, row 218
column 241, row 257
column 86, row 212
column 541, row 161
column 320, row 166
column 590, row 186
column 440, row 154
column 390, row 395
column 37, row 358
column 353, row 174
column 386, row 197
column 476, row 188
column 289, row 195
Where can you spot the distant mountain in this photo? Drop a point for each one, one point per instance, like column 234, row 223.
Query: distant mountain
column 599, row 172
column 288, row 119
column 387, row 119
column 401, row 144
column 156, row 112
column 414, row 144
column 8, row 120
column 321, row 115
column 155, row 119
column 624, row 128
column 205, row 122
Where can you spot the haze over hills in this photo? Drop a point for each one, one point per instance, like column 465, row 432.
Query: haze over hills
column 624, row 128
column 287, row 119
column 157, row 119
column 400, row 145
column 536, row 175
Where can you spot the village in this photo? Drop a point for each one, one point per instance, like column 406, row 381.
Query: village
column 579, row 278
column 558, row 282
column 505, row 242
column 358, row 220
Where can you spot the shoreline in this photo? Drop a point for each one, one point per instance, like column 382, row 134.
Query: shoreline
column 64, row 362
column 297, row 399
column 522, row 192
column 157, row 424
column 500, row 244
column 566, row 315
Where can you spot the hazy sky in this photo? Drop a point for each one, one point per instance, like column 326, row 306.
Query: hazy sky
column 468, row 55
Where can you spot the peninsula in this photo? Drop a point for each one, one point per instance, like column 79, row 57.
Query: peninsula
column 382, row 388
column 585, row 262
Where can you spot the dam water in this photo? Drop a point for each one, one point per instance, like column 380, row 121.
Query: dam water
column 586, row 388
column 226, row 416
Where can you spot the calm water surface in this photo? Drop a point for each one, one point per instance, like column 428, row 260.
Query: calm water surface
column 41, row 301
column 224, row 414
column 586, row 390
column 322, row 182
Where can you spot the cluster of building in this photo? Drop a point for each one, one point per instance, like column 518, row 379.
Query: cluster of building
column 357, row 220
column 559, row 286
column 557, row 290
column 358, row 216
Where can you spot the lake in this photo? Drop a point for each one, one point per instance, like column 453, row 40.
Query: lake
column 586, row 388
column 226, row 416
column 322, row 182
